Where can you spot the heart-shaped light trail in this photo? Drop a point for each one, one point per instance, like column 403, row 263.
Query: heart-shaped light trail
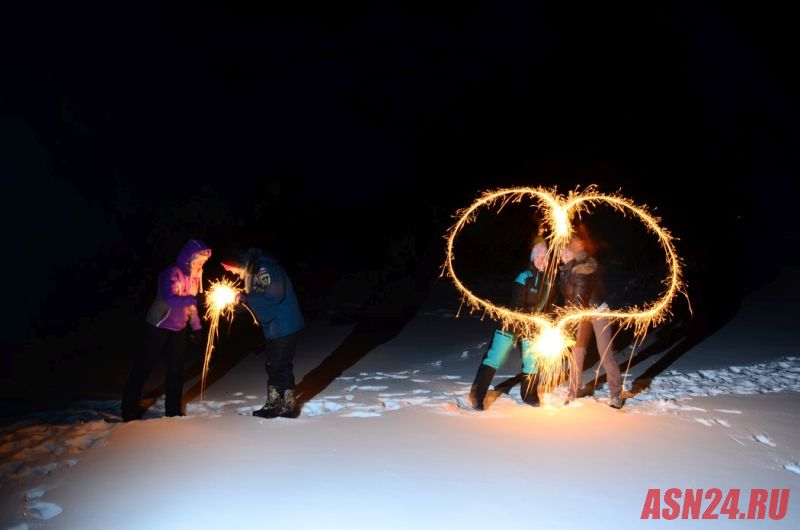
column 553, row 334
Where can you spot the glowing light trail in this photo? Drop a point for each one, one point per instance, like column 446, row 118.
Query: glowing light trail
column 553, row 335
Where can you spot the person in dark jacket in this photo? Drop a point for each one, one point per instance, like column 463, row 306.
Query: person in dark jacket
column 268, row 292
column 174, row 308
column 581, row 286
column 531, row 294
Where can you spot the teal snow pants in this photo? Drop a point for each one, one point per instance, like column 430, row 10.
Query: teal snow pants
column 502, row 344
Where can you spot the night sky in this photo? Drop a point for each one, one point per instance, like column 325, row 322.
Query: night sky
column 331, row 134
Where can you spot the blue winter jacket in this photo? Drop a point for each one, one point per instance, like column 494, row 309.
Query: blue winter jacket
column 269, row 293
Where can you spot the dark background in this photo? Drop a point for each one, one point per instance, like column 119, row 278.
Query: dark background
column 343, row 137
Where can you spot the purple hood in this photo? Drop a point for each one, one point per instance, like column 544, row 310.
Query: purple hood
column 192, row 247
column 176, row 302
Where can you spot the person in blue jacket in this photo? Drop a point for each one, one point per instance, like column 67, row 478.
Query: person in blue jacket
column 268, row 292
column 530, row 293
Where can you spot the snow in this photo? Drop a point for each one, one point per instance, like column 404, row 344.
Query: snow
column 392, row 442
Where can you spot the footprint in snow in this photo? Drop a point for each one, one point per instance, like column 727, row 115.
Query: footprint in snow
column 43, row 510
column 46, row 469
column 691, row 409
column 764, row 440
column 321, row 407
column 397, row 404
column 36, row 493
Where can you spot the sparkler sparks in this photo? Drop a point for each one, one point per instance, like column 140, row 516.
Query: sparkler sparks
column 220, row 301
column 553, row 335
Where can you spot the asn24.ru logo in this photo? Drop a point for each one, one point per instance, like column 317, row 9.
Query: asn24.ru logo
column 712, row 503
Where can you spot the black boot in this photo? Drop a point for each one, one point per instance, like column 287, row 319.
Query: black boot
column 480, row 386
column 529, row 389
column 274, row 405
column 130, row 414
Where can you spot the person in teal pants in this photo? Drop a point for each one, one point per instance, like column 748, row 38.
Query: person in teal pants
column 530, row 293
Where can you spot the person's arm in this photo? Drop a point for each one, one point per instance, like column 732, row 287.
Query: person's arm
column 171, row 288
column 518, row 289
column 194, row 319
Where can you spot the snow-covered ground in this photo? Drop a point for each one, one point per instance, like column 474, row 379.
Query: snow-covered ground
column 391, row 442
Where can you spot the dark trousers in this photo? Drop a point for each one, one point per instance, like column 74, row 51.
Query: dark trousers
column 156, row 342
column 280, row 355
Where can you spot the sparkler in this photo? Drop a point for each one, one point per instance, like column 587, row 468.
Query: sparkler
column 220, row 301
column 553, row 335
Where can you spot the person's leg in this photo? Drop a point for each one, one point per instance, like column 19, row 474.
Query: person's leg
column 280, row 378
column 529, row 366
column 502, row 343
column 153, row 342
column 584, row 333
column 280, row 359
column 176, row 351
column 529, row 384
column 602, row 332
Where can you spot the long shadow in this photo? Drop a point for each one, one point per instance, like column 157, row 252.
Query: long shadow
column 714, row 299
column 504, row 387
column 218, row 370
column 234, row 344
column 380, row 325
column 714, row 304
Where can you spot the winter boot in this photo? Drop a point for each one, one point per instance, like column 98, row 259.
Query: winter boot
column 289, row 405
column 274, row 405
column 529, row 389
column 480, row 386
column 133, row 414
column 615, row 402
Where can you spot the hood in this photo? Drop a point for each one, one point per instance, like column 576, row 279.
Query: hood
column 192, row 247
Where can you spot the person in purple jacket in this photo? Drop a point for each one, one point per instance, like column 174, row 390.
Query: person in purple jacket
column 174, row 308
